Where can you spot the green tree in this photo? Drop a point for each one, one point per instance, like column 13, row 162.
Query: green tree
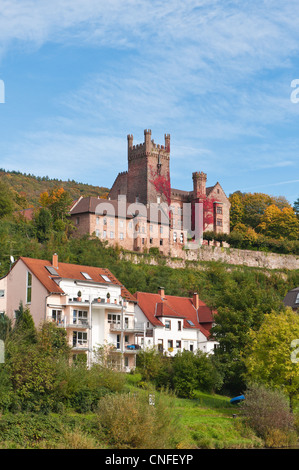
column 43, row 223
column 149, row 363
column 185, row 374
column 269, row 356
column 53, row 340
column 7, row 204
column 24, row 327
column 5, row 326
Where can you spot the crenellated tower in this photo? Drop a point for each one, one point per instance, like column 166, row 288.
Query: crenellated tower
column 199, row 185
column 148, row 170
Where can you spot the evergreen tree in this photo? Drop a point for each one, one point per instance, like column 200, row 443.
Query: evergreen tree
column 24, row 328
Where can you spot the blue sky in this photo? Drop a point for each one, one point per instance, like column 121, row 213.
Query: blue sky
column 80, row 75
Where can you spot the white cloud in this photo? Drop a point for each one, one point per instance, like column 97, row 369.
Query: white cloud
column 209, row 72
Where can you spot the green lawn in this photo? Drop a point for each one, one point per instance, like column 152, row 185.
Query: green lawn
column 207, row 421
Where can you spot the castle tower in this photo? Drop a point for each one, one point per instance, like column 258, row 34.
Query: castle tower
column 198, row 203
column 199, row 185
column 148, row 170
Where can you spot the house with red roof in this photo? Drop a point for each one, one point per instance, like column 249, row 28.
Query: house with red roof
column 174, row 323
column 89, row 302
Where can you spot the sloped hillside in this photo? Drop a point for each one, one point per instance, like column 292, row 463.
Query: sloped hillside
column 29, row 187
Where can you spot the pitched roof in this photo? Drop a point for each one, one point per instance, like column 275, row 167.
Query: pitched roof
column 70, row 271
column 155, row 307
column 292, row 298
column 114, row 208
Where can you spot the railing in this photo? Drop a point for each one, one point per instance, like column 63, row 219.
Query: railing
column 80, row 345
column 128, row 348
column 130, row 326
column 78, row 323
column 61, row 322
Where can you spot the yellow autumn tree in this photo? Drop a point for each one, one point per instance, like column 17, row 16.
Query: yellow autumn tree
column 279, row 223
column 57, row 201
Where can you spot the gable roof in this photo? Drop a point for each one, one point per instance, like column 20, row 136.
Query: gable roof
column 291, row 297
column 155, row 307
column 38, row 267
column 113, row 208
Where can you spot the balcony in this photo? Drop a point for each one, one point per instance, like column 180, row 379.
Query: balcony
column 60, row 322
column 103, row 303
column 132, row 348
column 129, row 327
column 78, row 323
column 128, row 348
column 64, row 322
column 80, row 346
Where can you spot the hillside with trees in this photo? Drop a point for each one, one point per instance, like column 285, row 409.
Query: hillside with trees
column 249, row 304
column 261, row 222
column 27, row 188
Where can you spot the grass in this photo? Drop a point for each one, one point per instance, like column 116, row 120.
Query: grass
column 207, row 421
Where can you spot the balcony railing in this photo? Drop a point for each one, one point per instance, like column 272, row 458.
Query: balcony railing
column 128, row 348
column 130, row 326
column 63, row 322
column 83, row 346
column 78, row 323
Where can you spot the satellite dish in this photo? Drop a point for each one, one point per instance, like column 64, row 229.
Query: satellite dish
column 12, row 260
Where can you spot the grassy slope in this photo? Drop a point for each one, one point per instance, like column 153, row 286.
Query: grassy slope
column 207, row 422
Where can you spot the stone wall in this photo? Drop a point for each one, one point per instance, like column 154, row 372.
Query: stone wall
column 256, row 259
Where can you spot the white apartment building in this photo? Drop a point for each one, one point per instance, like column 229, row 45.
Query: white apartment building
column 89, row 302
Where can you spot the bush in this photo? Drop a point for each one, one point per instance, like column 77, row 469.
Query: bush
column 268, row 413
column 129, row 422
column 28, row 429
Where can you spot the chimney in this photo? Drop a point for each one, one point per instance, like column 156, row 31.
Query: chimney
column 55, row 261
column 161, row 291
column 196, row 300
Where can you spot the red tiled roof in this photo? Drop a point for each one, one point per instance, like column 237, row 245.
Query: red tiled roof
column 154, row 307
column 71, row 271
column 26, row 213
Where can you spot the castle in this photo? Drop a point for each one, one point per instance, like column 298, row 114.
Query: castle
column 144, row 211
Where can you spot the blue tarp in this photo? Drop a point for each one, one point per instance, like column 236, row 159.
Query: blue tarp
column 237, row 399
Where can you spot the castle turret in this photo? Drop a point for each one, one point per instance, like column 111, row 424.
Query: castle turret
column 147, row 140
column 199, row 184
column 130, row 141
column 167, row 142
